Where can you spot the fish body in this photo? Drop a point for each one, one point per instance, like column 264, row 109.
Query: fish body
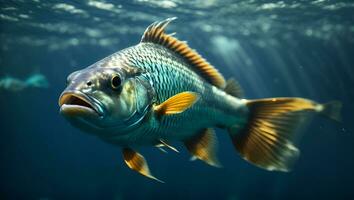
column 160, row 91
column 169, row 75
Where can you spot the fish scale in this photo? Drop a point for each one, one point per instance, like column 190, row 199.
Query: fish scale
column 171, row 75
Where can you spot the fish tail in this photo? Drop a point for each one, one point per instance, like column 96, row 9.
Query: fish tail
column 267, row 138
column 332, row 110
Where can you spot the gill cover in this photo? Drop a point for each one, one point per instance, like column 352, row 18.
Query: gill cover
column 144, row 98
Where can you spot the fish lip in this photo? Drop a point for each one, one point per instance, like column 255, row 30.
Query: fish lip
column 85, row 104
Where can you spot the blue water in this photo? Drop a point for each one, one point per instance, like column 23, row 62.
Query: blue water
column 273, row 48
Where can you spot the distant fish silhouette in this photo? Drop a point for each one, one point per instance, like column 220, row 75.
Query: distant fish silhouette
column 37, row 80
column 13, row 84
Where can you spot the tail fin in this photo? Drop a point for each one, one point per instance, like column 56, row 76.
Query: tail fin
column 332, row 110
column 266, row 139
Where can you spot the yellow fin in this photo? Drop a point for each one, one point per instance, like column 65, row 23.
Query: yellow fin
column 137, row 162
column 155, row 33
column 177, row 103
column 204, row 146
column 267, row 138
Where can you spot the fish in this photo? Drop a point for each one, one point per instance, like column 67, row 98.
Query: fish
column 37, row 80
column 162, row 91
column 13, row 84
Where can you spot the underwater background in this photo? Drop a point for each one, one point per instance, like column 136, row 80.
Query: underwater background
column 273, row 48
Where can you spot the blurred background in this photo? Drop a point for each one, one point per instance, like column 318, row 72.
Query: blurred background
column 273, row 48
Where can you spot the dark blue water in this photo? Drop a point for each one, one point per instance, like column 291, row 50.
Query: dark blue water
column 274, row 48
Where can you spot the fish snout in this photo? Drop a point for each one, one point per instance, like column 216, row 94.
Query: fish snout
column 74, row 103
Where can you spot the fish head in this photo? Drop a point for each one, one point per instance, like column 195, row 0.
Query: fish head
column 106, row 99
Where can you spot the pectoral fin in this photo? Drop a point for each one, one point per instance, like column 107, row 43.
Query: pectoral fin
column 204, row 146
column 137, row 162
column 177, row 103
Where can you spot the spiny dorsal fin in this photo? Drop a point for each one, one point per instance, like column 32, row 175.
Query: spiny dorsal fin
column 204, row 146
column 155, row 33
column 233, row 88
column 137, row 162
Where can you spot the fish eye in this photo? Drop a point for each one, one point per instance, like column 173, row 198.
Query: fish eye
column 89, row 83
column 116, row 81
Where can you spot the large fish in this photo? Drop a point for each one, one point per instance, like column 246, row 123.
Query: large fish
column 161, row 91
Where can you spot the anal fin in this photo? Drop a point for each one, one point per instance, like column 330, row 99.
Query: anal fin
column 137, row 162
column 204, row 146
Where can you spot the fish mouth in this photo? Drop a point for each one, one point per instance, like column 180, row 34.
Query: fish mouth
column 73, row 103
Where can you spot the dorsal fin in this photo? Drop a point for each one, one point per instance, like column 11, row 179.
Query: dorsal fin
column 155, row 33
column 233, row 88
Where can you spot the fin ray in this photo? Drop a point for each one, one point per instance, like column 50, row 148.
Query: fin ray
column 155, row 33
column 267, row 139
column 177, row 103
column 204, row 146
column 233, row 88
column 163, row 143
column 137, row 162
